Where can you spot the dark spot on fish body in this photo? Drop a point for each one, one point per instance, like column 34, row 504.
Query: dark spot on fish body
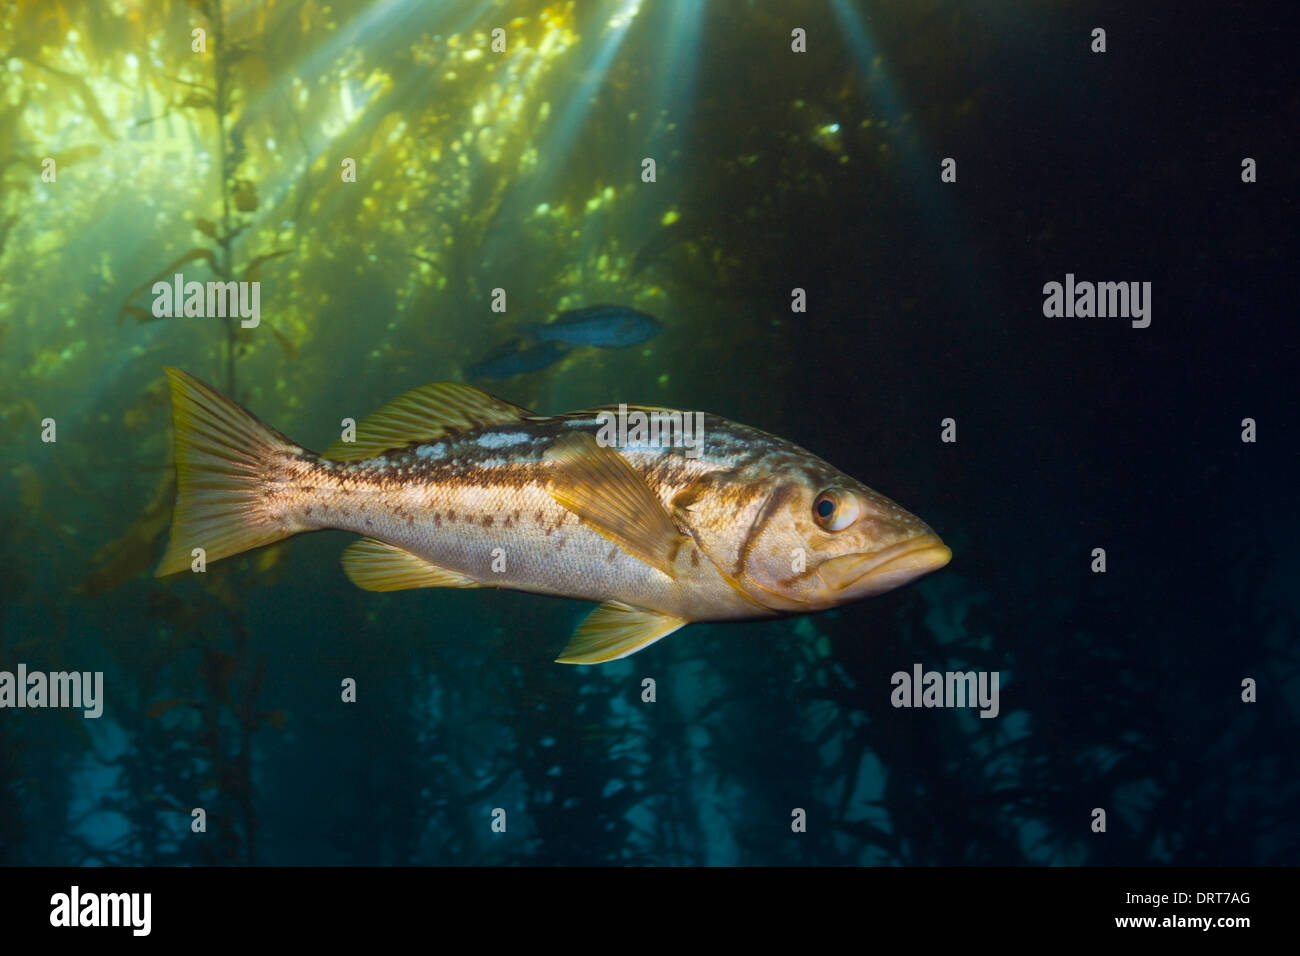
column 437, row 518
column 487, row 521
column 613, row 553
column 509, row 523
column 695, row 558
column 559, row 545
column 539, row 517
column 516, row 514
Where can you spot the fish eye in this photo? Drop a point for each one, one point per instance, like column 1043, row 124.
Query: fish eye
column 835, row 512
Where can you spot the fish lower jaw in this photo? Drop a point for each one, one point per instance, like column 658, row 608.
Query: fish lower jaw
column 857, row 576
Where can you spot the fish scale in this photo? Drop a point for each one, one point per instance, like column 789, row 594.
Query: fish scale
column 457, row 511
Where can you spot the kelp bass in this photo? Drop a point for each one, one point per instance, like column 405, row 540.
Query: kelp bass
column 454, row 488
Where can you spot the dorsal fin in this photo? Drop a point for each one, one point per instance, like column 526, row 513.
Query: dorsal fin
column 616, row 409
column 425, row 414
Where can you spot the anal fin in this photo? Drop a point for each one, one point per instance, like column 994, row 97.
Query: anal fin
column 376, row 566
column 616, row 630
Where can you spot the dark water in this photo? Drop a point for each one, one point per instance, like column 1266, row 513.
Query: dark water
column 522, row 171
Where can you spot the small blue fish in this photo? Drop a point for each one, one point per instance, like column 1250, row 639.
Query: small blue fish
column 516, row 358
column 604, row 326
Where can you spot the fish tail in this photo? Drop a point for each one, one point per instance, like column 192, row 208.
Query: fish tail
column 226, row 460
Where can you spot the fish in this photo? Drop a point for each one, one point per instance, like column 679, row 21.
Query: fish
column 516, row 358
column 542, row 345
column 604, row 326
column 452, row 487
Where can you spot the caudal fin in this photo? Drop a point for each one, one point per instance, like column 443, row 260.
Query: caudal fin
column 225, row 461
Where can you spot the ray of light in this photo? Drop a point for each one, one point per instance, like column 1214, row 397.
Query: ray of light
column 919, row 164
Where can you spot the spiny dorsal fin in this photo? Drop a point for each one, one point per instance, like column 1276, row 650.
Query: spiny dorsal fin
column 616, row 630
column 600, row 487
column 376, row 566
column 425, row 414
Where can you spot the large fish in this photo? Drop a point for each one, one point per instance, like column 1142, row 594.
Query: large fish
column 454, row 488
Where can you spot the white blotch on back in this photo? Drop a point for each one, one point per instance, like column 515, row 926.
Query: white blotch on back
column 431, row 451
column 502, row 439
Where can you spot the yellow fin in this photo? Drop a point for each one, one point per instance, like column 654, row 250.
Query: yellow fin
column 425, row 414
column 377, row 566
column 226, row 463
column 600, row 487
column 616, row 630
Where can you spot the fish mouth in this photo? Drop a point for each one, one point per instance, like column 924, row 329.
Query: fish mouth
column 889, row 568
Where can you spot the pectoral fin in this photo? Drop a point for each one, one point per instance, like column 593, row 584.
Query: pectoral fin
column 616, row 630
column 376, row 566
column 600, row 487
